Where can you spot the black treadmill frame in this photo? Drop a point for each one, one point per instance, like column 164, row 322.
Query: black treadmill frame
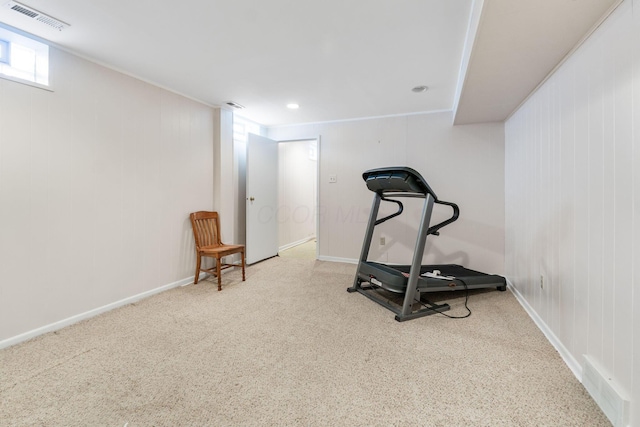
column 388, row 184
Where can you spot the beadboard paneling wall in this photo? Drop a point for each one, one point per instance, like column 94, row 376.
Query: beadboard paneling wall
column 573, row 200
column 463, row 164
column 96, row 183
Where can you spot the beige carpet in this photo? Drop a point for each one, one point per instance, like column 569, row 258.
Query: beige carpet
column 291, row 347
column 306, row 250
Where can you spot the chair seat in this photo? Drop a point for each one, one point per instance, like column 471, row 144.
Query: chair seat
column 222, row 249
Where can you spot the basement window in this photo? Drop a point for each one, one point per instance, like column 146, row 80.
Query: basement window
column 242, row 128
column 23, row 59
column 4, row 51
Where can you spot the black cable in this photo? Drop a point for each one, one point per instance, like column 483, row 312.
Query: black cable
column 466, row 299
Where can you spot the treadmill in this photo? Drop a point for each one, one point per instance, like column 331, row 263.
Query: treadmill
column 410, row 281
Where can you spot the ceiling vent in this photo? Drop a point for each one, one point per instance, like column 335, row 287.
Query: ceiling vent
column 38, row 16
column 235, row 105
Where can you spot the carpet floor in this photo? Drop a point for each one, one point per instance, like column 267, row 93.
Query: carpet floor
column 290, row 347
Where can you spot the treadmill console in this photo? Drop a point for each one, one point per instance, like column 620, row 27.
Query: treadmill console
column 396, row 179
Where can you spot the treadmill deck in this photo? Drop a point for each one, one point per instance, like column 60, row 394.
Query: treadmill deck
column 395, row 278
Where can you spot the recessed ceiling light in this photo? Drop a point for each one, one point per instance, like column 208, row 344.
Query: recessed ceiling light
column 419, row 89
column 293, row 106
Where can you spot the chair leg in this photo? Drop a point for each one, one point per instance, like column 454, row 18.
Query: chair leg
column 242, row 254
column 218, row 262
column 197, row 276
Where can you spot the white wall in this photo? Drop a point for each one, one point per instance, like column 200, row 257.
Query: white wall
column 463, row 164
column 573, row 203
column 96, row 183
column 297, row 189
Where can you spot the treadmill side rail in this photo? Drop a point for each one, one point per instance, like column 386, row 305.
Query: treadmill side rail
column 414, row 273
column 368, row 236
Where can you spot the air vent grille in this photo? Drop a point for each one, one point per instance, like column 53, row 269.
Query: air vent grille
column 235, row 105
column 25, row 11
column 49, row 21
column 38, row 16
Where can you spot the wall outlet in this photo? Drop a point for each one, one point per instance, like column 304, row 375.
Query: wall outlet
column 382, row 241
column 541, row 281
column 333, row 179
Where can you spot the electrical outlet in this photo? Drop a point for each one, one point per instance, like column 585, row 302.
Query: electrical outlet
column 333, row 179
column 382, row 241
column 541, row 281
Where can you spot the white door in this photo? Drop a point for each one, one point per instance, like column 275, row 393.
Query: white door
column 262, row 198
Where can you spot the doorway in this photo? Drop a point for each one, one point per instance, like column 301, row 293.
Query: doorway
column 298, row 198
column 293, row 211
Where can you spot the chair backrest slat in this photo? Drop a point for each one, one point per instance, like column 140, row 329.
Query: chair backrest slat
column 206, row 227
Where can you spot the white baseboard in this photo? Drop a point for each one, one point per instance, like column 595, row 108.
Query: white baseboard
column 299, row 242
column 91, row 313
column 336, row 259
column 613, row 403
column 571, row 361
column 606, row 392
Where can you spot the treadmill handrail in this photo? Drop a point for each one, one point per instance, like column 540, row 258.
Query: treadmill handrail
column 402, row 181
column 433, row 229
column 393, row 215
column 456, row 213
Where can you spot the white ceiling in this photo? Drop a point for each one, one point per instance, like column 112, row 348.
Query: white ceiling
column 338, row 59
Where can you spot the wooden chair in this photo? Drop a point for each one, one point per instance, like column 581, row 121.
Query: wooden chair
column 206, row 232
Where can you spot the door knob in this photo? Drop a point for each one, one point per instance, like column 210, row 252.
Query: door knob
column 251, row 199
